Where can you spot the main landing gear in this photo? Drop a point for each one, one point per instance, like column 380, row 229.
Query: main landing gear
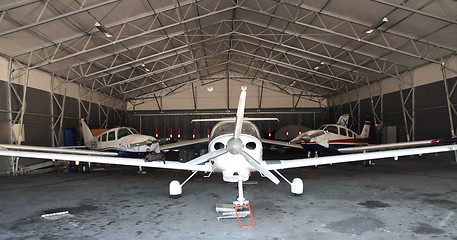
column 241, row 207
column 176, row 187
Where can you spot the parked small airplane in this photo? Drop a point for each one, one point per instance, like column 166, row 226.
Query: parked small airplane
column 328, row 138
column 332, row 137
column 124, row 141
column 235, row 150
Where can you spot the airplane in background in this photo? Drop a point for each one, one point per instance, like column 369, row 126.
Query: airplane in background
column 330, row 138
column 235, row 150
column 124, row 141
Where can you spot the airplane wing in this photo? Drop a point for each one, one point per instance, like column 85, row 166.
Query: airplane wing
column 183, row 143
column 398, row 145
column 17, row 152
column 55, row 150
column 306, row 162
column 281, row 143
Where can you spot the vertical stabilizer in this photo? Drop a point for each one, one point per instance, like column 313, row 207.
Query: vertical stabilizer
column 343, row 120
column 366, row 130
column 86, row 132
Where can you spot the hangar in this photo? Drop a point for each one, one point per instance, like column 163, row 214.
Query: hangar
column 156, row 65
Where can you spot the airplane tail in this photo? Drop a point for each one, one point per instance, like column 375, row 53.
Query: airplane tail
column 87, row 134
column 365, row 130
column 343, row 120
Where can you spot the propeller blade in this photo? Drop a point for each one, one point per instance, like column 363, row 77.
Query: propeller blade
column 207, row 157
column 306, row 137
column 317, row 134
column 147, row 142
column 240, row 114
column 322, row 140
column 259, row 168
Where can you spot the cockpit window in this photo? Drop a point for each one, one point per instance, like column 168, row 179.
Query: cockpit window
column 112, row 136
column 229, row 127
column 343, row 131
column 332, row 129
column 104, row 137
column 133, row 130
column 122, row 132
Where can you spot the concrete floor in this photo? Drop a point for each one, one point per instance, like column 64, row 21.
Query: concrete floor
column 406, row 199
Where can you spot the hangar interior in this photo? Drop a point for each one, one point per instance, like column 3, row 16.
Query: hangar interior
column 158, row 64
column 155, row 65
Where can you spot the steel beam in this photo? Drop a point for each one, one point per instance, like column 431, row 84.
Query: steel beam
column 57, row 17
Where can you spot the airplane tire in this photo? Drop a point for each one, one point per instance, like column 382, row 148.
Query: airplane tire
column 84, row 167
column 297, row 187
column 175, row 189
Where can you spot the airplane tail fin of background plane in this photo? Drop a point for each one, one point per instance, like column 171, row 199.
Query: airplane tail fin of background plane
column 343, row 120
column 86, row 132
column 365, row 130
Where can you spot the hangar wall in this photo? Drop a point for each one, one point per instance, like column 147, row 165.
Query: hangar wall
column 42, row 108
column 177, row 111
column 422, row 88
column 225, row 95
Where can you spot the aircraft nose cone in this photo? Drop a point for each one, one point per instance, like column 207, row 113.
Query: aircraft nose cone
column 235, row 146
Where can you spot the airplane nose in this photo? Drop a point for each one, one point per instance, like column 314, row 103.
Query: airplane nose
column 235, row 146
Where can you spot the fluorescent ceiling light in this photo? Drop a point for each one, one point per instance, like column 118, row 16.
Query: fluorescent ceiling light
column 377, row 25
column 103, row 29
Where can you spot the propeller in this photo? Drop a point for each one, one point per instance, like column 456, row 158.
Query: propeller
column 306, row 137
column 235, row 145
column 149, row 142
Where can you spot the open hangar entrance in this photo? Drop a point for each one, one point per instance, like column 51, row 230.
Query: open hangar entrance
column 156, row 65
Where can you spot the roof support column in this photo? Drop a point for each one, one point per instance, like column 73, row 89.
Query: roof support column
column 12, row 137
column 449, row 92
column 59, row 105
column 451, row 109
column 408, row 104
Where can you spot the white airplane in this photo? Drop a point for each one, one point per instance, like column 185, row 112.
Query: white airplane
column 124, row 141
column 235, row 150
column 330, row 138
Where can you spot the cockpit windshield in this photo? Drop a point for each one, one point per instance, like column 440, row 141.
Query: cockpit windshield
column 229, row 127
column 122, row 132
column 133, row 130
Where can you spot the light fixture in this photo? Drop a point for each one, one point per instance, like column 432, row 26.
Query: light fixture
column 210, row 88
column 103, row 29
column 293, row 83
column 322, row 63
column 377, row 25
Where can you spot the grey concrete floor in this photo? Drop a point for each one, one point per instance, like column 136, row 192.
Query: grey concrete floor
column 405, row 199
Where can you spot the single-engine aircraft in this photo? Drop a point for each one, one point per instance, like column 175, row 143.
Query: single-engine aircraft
column 235, row 150
column 127, row 142
column 328, row 138
column 124, row 141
